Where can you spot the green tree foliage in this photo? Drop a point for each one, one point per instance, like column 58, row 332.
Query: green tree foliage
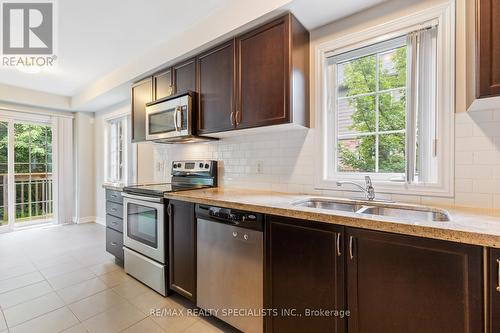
column 32, row 154
column 360, row 78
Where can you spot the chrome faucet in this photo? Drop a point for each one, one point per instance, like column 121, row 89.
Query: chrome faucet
column 369, row 190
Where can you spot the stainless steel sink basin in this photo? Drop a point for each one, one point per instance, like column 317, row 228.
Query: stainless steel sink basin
column 329, row 204
column 412, row 213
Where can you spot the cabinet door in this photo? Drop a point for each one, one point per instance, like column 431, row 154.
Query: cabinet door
column 182, row 258
column 184, row 75
column 216, row 89
column 142, row 93
column 494, row 291
column 163, row 84
column 263, row 75
column 488, row 48
column 405, row 284
column 305, row 271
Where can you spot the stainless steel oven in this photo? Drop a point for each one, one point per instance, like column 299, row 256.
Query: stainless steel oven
column 144, row 225
column 170, row 118
column 144, row 240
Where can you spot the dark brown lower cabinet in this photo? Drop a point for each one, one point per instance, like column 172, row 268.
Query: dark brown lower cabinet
column 405, row 284
column 494, row 291
column 182, row 256
column 305, row 273
column 389, row 283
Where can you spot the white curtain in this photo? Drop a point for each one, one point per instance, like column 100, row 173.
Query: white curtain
column 421, row 117
column 64, row 169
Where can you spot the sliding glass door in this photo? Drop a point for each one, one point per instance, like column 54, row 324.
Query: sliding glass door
column 26, row 178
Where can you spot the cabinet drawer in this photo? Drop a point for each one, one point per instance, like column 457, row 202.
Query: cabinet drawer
column 114, row 243
column 115, row 209
column 114, row 222
column 114, row 196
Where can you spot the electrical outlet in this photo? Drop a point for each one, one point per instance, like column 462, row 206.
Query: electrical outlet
column 260, row 167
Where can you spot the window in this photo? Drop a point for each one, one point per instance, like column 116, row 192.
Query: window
column 117, row 150
column 388, row 106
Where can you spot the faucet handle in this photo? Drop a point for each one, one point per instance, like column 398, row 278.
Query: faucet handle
column 368, row 181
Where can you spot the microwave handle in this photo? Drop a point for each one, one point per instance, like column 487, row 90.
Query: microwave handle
column 176, row 122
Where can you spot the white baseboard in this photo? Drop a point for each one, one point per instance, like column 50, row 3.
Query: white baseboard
column 100, row 220
column 86, row 219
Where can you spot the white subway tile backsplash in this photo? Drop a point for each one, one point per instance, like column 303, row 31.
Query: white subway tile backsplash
column 474, row 143
column 286, row 162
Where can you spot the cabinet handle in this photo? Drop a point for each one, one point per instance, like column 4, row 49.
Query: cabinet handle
column 351, row 240
column 338, row 245
column 231, row 118
column 498, row 279
column 113, row 243
column 115, row 223
column 238, row 118
column 114, row 196
column 113, row 209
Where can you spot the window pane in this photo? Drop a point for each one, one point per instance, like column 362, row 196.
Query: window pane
column 356, row 115
column 356, row 76
column 392, row 153
column 392, row 69
column 357, row 155
column 392, row 110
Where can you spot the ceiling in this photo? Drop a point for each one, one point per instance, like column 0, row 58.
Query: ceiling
column 96, row 38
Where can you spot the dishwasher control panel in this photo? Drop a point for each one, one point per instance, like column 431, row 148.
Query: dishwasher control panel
column 231, row 216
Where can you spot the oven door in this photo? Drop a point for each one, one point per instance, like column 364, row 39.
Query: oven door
column 168, row 119
column 144, row 226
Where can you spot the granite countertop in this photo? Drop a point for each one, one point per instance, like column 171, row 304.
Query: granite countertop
column 469, row 226
column 114, row 186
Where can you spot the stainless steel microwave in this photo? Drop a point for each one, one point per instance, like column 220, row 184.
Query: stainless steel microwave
column 170, row 118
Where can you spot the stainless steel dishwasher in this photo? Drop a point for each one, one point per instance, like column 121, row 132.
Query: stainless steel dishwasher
column 230, row 250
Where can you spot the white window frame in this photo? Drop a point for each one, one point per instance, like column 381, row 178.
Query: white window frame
column 444, row 16
column 126, row 168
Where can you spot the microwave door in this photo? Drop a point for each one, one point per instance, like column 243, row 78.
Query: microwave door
column 163, row 124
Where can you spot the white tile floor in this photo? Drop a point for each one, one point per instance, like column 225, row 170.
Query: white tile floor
column 60, row 279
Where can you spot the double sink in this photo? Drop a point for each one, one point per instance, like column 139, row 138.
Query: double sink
column 413, row 213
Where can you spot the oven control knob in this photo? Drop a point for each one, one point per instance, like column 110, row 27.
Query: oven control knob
column 201, row 165
column 245, row 236
column 207, row 166
column 235, row 234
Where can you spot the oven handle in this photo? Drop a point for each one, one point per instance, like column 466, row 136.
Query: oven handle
column 142, row 198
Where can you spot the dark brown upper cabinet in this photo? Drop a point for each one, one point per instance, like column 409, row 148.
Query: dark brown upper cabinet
column 182, row 251
column 494, row 291
column 488, row 48
column 216, row 104
column 398, row 283
column 260, row 78
column 163, row 84
column 142, row 93
column 273, row 74
column 184, row 76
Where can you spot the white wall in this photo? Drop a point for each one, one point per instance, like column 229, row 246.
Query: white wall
column 142, row 162
column 289, row 158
